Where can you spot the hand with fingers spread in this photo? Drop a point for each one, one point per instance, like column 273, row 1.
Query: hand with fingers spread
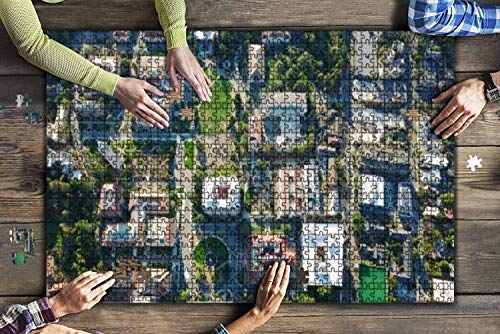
column 183, row 61
column 57, row 329
column 81, row 294
column 271, row 292
column 132, row 94
column 467, row 100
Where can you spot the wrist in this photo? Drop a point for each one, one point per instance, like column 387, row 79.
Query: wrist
column 490, row 86
column 256, row 318
column 57, row 307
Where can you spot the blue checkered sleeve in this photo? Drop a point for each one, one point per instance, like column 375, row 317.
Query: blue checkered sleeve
column 453, row 17
column 220, row 330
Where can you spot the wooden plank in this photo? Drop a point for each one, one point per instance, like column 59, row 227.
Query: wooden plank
column 6, row 301
column 22, row 147
column 477, row 193
column 27, row 278
column 116, row 14
column 477, row 54
column 485, row 130
column 472, row 54
column 470, row 313
column 203, row 14
column 12, row 63
column 477, row 256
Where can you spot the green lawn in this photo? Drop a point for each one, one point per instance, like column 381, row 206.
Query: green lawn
column 219, row 250
column 189, row 154
column 372, row 285
column 215, row 115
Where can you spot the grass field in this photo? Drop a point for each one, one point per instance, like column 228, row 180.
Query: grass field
column 214, row 116
column 372, row 285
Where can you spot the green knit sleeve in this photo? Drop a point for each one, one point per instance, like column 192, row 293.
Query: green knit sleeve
column 23, row 26
column 172, row 16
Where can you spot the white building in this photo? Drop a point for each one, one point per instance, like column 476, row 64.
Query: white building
column 256, row 62
column 333, row 202
column 404, row 198
column 160, row 232
column 443, row 291
column 364, row 45
column 431, row 211
column 108, row 63
column 372, row 189
column 434, row 160
column 367, row 125
column 221, row 195
column 431, row 177
column 322, row 253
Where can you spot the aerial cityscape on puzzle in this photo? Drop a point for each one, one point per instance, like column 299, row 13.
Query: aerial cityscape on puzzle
column 316, row 149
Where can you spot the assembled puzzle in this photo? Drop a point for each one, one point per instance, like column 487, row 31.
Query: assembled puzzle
column 316, row 149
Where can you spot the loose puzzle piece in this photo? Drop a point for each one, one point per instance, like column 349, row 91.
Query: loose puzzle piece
column 474, row 162
column 316, row 149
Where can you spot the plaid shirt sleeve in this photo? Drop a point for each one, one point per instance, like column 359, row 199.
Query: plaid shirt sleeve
column 453, row 17
column 21, row 319
column 220, row 330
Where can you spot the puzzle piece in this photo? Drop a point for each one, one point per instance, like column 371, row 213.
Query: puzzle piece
column 316, row 149
column 474, row 162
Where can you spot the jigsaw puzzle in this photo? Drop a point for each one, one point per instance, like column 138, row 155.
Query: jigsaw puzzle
column 316, row 149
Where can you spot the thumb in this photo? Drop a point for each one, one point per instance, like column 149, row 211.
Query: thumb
column 444, row 95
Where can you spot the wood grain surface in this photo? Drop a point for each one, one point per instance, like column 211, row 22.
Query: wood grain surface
column 22, row 189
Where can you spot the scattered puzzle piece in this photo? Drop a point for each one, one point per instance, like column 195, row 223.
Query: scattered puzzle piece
column 474, row 162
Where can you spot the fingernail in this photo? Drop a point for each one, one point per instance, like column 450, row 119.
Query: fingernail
column 109, row 273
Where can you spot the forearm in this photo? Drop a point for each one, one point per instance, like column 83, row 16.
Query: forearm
column 21, row 22
column 453, row 17
column 24, row 318
column 246, row 323
column 172, row 16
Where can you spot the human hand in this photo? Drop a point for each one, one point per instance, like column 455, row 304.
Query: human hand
column 81, row 293
column 57, row 329
column 467, row 101
column 183, row 61
column 272, row 289
column 132, row 94
column 271, row 292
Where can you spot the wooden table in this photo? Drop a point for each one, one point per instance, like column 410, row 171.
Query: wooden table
column 22, row 189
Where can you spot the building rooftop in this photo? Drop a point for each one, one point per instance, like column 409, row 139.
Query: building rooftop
column 221, row 195
column 110, row 200
column 322, row 253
